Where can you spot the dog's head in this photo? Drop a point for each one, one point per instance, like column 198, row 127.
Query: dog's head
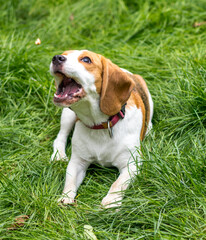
column 79, row 75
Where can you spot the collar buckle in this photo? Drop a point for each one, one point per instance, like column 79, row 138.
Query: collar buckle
column 110, row 130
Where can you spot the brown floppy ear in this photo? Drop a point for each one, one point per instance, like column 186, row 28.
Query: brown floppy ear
column 116, row 88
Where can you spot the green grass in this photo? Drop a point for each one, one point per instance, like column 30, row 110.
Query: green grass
column 155, row 39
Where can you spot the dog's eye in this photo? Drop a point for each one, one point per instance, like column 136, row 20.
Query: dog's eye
column 86, row 60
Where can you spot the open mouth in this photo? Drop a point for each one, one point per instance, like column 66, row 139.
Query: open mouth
column 68, row 91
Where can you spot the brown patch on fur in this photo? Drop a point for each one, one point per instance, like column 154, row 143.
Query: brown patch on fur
column 136, row 100
column 140, row 98
column 116, row 88
column 95, row 67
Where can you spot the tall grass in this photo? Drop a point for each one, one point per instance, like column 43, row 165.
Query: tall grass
column 155, row 39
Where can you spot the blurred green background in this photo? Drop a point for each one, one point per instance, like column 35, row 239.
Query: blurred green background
column 156, row 39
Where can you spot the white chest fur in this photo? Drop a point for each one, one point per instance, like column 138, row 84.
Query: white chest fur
column 97, row 146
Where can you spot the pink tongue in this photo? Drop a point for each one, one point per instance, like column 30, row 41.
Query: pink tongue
column 69, row 89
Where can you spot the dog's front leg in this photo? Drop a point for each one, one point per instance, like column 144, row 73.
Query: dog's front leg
column 115, row 194
column 68, row 119
column 75, row 174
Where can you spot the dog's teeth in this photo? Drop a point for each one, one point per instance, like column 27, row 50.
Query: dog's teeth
column 55, row 95
column 66, row 95
column 77, row 92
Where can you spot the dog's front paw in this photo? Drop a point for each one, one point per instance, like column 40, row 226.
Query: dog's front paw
column 66, row 200
column 111, row 200
column 57, row 156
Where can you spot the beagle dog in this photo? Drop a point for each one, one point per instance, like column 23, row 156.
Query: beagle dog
column 111, row 109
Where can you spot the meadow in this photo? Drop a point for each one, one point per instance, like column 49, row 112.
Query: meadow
column 156, row 39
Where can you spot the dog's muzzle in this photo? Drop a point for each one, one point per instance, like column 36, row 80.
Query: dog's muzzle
column 58, row 59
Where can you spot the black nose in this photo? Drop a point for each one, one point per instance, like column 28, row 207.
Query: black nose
column 58, row 59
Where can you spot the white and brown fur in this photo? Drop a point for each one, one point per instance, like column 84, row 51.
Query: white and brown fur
column 105, row 89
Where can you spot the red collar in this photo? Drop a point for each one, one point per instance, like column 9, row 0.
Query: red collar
column 111, row 121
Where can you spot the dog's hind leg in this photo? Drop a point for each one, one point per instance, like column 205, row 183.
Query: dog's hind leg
column 68, row 119
column 116, row 192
